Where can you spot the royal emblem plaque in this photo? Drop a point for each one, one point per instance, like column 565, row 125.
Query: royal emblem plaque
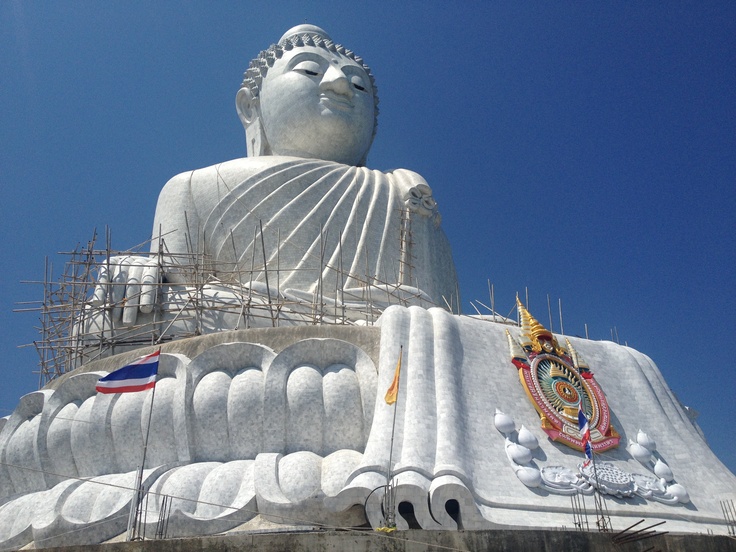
column 558, row 381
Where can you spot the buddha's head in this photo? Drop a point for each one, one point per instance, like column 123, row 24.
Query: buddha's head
column 309, row 97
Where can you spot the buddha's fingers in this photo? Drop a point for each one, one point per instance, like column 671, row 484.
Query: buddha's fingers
column 99, row 297
column 133, row 291
column 149, row 282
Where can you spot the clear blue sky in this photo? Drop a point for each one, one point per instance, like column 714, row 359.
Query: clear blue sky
column 581, row 150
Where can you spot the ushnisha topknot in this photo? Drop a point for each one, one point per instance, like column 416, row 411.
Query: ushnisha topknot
column 297, row 37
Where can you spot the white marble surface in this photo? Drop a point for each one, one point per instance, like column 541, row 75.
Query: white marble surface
column 331, row 227
column 314, row 102
column 303, row 436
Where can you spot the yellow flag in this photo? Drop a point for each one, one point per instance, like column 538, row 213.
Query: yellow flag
column 393, row 392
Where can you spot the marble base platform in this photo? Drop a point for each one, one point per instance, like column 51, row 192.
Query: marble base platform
column 289, row 425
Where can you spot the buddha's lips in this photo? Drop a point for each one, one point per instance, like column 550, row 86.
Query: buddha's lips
column 335, row 100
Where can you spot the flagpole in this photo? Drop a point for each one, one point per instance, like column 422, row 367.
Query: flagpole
column 136, row 504
column 388, row 503
column 601, row 522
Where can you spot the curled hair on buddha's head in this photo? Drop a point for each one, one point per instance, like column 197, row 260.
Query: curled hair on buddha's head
column 297, row 37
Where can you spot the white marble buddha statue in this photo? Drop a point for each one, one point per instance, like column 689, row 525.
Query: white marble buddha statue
column 293, row 425
column 327, row 229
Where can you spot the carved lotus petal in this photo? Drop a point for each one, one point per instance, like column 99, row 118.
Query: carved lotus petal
column 679, row 492
column 518, row 453
column 646, row 441
column 639, row 452
column 663, row 471
column 558, row 476
column 609, row 479
column 531, row 477
column 503, row 422
column 527, row 439
column 429, row 203
column 646, row 484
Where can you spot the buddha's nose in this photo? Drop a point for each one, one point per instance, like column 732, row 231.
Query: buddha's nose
column 335, row 80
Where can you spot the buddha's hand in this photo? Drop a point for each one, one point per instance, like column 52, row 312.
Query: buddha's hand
column 128, row 284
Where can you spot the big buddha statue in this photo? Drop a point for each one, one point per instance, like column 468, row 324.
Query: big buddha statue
column 301, row 218
column 489, row 423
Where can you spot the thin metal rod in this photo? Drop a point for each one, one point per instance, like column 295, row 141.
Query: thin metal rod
column 393, row 431
column 252, row 268
column 493, row 300
column 601, row 522
column 559, row 309
column 265, row 271
column 643, row 536
column 621, row 533
column 319, row 281
column 148, row 428
column 621, row 536
column 278, row 273
column 139, row 479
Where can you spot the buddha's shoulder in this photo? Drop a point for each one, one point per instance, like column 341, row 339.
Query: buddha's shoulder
column 409, row 182
column 240, row 169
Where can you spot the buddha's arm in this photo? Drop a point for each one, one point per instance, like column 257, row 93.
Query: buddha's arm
column 176, row 217
column 129, row 280
column 190, row 198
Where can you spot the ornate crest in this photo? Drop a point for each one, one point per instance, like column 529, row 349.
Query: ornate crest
column 558, row 381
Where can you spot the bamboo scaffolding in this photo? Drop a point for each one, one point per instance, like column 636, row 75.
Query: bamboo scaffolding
column 74, row 330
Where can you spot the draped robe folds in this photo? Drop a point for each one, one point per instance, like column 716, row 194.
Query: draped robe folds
column 324, row 224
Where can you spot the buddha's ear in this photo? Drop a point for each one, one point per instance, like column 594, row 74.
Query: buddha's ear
column 247, row 105
column 249, row 112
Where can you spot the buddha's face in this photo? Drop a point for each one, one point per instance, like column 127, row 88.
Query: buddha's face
column 317, row 104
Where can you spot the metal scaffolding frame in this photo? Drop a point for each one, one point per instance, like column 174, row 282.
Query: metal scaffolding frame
column 74, row 331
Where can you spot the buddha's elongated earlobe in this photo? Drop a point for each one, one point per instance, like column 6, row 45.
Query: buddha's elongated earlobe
column 248, row 107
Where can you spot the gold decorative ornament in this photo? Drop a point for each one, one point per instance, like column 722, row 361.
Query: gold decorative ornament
column 558, row 382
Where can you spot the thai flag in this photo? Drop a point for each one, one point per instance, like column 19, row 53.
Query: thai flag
column 136, row 376
column 585, row 434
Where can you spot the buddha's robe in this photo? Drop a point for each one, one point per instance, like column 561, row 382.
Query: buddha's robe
column 327, row 227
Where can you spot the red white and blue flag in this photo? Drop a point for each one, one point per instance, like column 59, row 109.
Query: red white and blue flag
column 136, row 376
column 585, row 434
